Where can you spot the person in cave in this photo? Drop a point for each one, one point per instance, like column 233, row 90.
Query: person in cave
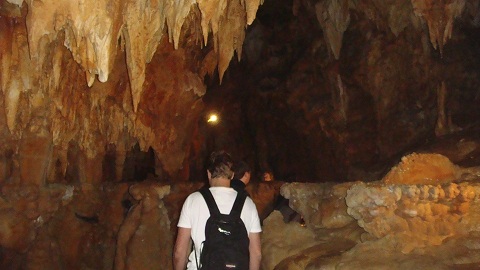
column 267, row 176
column 241, row 176
column 195, row 213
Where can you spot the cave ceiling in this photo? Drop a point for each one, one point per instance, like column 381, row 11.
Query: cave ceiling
column 86, row 78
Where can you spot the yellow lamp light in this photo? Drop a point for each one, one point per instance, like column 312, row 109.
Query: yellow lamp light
column 212, row 118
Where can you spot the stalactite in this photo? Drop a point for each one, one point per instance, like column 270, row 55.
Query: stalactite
column 177, row 11
column 334, row 17
column 211, row 11
column 439, row 16
column 251, row 7
column 399, row 16
column 230, row 36
column 92, row 29
column 144, row 28
column 17, row 75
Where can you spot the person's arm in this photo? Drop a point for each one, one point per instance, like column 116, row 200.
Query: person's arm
column 180, row 252
column 255, row 250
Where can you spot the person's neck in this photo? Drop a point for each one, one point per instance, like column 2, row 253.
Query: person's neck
column 220, row 182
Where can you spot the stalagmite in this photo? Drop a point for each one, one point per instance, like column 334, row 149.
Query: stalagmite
column 441, row 127
column 342, row 99
column 143, row 238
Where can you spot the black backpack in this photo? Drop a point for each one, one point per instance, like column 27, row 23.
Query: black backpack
column 226, row 238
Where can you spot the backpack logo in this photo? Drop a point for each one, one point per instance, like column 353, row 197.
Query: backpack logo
column 224, row 231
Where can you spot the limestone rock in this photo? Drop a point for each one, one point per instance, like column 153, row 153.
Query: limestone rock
column 321, row 205
column 144, row 239
column 92, row 30
column 280, row 240
column 430, row 169
column 334, row 17
column 401, row 220
column 440, row 16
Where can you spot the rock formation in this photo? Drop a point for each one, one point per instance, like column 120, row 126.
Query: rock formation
column 48, row 45
column 414, row 222
column 144, row 239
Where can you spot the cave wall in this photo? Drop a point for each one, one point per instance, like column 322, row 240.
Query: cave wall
column 340, row 90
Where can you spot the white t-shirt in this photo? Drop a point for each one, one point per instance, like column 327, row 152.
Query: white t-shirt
column 195, row 214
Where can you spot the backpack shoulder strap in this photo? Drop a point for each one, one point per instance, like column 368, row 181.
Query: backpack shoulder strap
column 212, row 205
column 238, row 204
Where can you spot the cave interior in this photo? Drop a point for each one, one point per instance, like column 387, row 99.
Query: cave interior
column 365, row 112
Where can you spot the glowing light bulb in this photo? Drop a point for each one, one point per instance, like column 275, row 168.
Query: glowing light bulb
column 213, row 118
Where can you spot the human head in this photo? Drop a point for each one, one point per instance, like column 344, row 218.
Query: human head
column 220, row 165
column 242, row 171
column 267, row 176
